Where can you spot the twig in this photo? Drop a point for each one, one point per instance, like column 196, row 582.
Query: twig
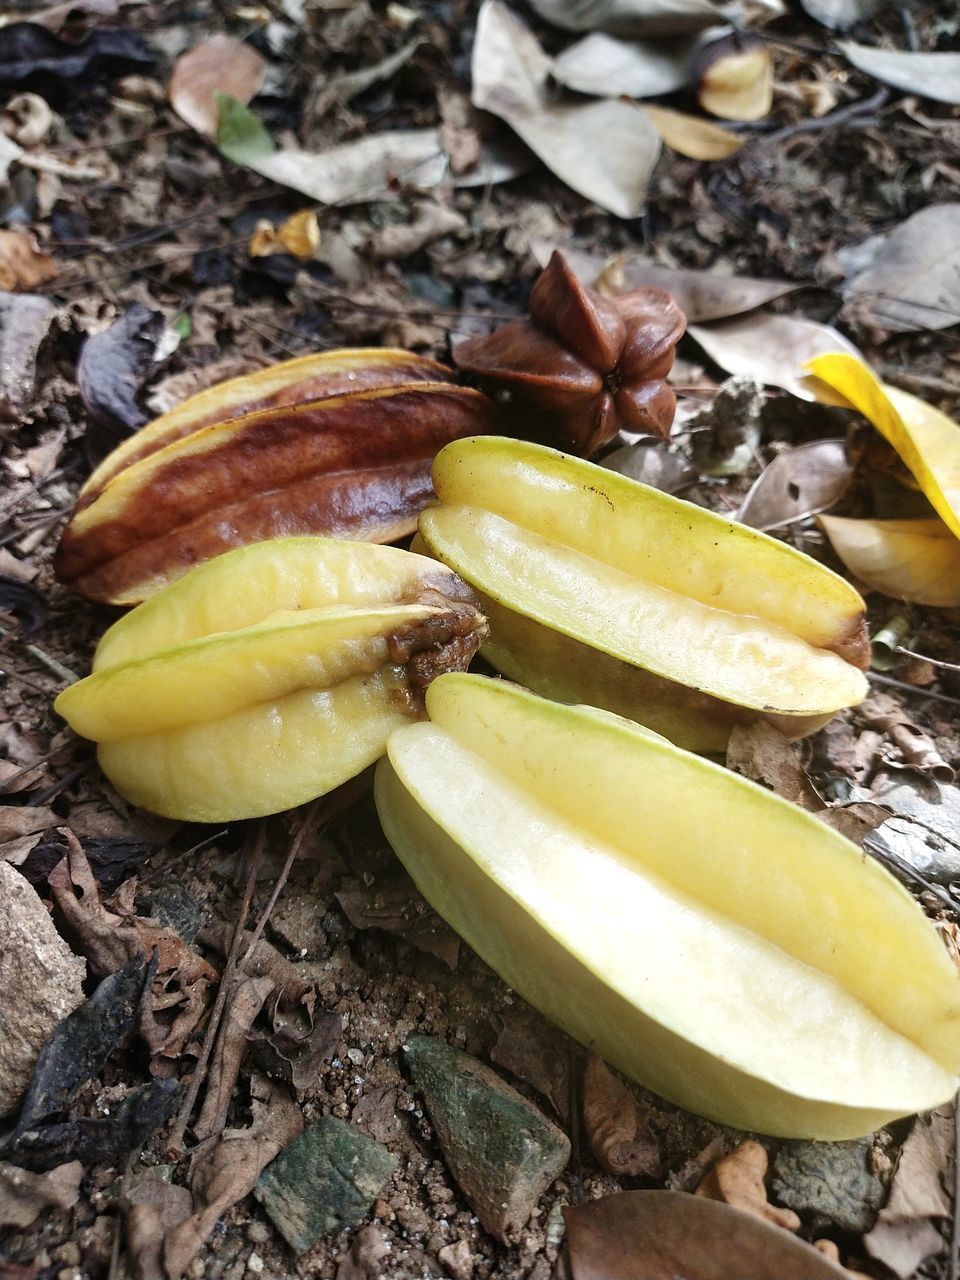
column 910, row 688
column 175, row 1144
column 182, row 857
column 60, row 785
column 841, row 116
column 295, row 846
column 934, row 662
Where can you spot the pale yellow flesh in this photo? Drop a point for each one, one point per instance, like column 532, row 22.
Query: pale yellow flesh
column 734, row 657
column 720, row 946
column 648, row 535
column 262, row 759
column 206, row 680
column 242, row 587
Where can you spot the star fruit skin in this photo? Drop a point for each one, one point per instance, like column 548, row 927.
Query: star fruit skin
column 561, row 551
column 715, row 943
column 337, row 444
column 269, row 675
column 587, row 365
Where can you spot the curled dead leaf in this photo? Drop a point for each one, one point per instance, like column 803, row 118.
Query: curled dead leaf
column 738, row 1180
column 299, row 236
column 613, row 1125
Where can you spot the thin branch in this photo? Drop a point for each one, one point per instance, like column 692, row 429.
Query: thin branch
column 175, row 1144
column 296, row 845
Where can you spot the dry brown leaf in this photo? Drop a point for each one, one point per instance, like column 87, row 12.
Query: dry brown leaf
column 691, row 136
column 218, row 65
column 224, row 1173
column 153, row 1208
column 664, row 1235
column 244, row 1001
column 798, row 483
column 610, row 68
column 24, row 1196
column 762, row 754
column 429, row 223
column 830, row 1250
column 905, row 1233
column 23, row 264
column 614, row 1127
column 603, row 150
column 183, row 980
column 738, row 1180
column 931, row 75
column 914, row 560
column 774, row 349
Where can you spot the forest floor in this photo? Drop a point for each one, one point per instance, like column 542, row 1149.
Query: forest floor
column 143, row 228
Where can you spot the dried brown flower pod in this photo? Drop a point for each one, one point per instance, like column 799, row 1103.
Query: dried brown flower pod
column 589, row 364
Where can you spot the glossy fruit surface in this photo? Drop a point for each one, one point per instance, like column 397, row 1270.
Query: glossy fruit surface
column 270, row 675
column 605, row 591
column 719, row 945
column 337, row 444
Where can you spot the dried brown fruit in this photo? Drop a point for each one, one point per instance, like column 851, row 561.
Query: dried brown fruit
column 590, row 365
column 338, row 443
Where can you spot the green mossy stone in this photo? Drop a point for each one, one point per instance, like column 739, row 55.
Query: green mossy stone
column 501, row 1150
column 323, row 1181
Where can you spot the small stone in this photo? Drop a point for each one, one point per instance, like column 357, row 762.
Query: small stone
column 255, row 1264
column 501, row 1150
column 40, row 983
column 323, row 1181
column 383, row 1210
column 833, row 1179
column 258, row 1233
column 457, row 1260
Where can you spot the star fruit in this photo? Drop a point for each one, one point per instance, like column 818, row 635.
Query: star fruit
column 717, row 944
column 599, row 589
column 269, row 675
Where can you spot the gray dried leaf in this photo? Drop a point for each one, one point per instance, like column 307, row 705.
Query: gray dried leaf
column 113, row 365
column 931, row 75
column 630, row 17
column 774, row 349
column 798, row 483
column 605, row 151
column 652, row 464
column 906, row 1233
column 841, row 14
column 361, row 170
column 607, row 67
column 24, row 1196
column 910, row 278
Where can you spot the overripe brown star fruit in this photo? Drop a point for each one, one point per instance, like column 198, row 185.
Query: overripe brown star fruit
column 589, row 365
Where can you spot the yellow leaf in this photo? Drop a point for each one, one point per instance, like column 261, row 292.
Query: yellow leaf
column 691, row 136
column 915, row 560
column 926, row 439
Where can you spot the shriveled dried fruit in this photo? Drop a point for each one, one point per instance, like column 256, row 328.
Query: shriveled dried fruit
column 588, row 365
column 734, row 77
column 602, row 590
column 338, row 443
column 719, row 945
column 270, row 675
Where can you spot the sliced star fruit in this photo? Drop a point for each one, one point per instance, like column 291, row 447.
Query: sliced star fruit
column 717, row 944
column 270, row 675
column 338, row 444
column 602, row 590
